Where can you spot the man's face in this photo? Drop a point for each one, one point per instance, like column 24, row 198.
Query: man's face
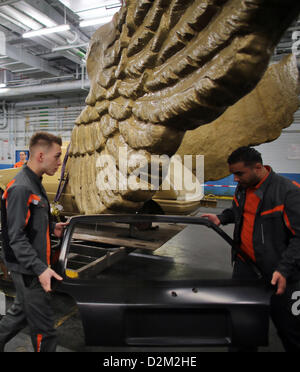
column 22, row 156
column 246, row 176
column 51, row 159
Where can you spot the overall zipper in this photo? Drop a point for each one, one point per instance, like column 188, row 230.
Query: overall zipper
column 262, row 234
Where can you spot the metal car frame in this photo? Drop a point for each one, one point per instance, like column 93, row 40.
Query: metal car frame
column 168, row 312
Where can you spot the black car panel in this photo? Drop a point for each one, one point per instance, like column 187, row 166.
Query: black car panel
column 117, row 309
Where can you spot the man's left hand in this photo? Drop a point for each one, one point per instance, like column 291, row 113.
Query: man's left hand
column 279, row 280
column 59, row 229
column 45, row 279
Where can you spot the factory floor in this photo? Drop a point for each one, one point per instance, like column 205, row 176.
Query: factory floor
column 188, row 250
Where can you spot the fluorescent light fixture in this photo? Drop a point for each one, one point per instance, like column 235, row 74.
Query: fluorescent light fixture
column 96, row 13
column 95, row 21
column 66, row 47
column 45, row 31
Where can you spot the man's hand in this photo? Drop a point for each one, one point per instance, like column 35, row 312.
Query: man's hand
column 59, row 229
column 279, row 280
column 45, row 279
column 212, row 217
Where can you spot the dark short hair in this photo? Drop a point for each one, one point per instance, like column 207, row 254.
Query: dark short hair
column 245, row 154
column 44, row 139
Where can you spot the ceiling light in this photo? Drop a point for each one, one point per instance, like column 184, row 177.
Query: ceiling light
column 113, row 6
column 66, row 47
column 45, row 31
column 96, row 13
column 95, row 21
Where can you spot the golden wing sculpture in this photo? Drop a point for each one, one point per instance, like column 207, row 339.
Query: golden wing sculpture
column 257, row 118
column 160, row 68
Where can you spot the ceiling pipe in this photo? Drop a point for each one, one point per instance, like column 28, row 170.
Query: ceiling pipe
column 73, row 86
column 5, row 119
column 21, row 17
column 51, row 102
column 9, row 2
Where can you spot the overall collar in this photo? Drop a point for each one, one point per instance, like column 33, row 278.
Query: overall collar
column 32, row 174
column 263, row 185
column 35, row 178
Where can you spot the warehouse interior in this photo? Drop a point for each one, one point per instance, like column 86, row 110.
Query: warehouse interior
column 44, row 79
column 43, row 87
column 45, row 83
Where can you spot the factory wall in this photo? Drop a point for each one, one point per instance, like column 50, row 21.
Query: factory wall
column 283, row 155
column 19, row 121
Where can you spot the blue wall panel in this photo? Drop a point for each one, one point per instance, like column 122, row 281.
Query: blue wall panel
column 5, row 166
column 227, row 184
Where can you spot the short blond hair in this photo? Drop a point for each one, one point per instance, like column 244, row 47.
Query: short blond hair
column 44, row 139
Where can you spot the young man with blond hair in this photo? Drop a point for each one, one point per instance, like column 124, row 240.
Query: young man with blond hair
column 26, row 228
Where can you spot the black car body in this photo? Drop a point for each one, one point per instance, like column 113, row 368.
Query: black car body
column 119, row 309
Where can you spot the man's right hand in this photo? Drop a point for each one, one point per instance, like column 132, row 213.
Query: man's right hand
column 212, row 217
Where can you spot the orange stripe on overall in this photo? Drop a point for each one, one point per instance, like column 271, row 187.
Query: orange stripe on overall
column 39, row 338
column 279, row 208
column 48, row 247
column 250, row 208
column 30, row 199
column 4, row 196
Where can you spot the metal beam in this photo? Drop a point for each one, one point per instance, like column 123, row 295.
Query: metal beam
column 71, row 55
column 45, row 8
column 20, row 55
column 46, row 89
column 8, row 23
column 8, row 2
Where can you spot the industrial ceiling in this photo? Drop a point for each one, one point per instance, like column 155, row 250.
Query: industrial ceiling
column 53, row 64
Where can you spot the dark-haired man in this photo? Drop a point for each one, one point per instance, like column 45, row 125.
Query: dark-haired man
column 26, row 227
column 266, row 213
